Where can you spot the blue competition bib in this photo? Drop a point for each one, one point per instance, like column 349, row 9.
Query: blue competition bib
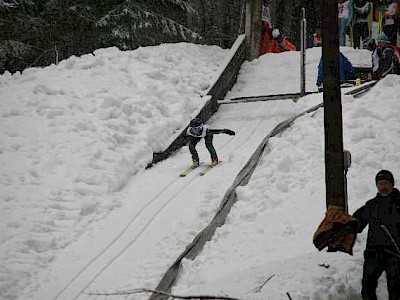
column 196, row 131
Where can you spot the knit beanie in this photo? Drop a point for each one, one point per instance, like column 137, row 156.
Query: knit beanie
column 275, row 33
column 383, row 38
column 384, row 175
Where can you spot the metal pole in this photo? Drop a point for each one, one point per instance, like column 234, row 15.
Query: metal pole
column 334, row 165
column 386, row 230
column 56, row 56
column 347, row 165
column 303, row 26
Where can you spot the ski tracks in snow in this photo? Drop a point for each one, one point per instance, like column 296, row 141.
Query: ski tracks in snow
column 129, row 260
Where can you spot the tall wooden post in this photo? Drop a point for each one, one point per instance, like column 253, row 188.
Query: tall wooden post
column 334, row 166
column 253, row 28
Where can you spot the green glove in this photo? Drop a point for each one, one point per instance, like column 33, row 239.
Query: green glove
column 228, row 131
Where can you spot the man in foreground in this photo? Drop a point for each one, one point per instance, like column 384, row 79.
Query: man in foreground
column 382, row 252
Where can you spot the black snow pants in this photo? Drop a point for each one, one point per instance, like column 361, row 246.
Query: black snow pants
column 375, row 263
column 360, row 30
column 209, row 145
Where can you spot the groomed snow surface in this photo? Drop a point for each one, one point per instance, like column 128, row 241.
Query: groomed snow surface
column 80, row 214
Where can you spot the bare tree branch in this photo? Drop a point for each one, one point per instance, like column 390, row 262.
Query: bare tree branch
column 76, row 11
column 183, row 4
column 137, row 291
column 9, row 4
column 258, row 289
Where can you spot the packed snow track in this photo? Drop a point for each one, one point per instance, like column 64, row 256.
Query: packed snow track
column 164, row 208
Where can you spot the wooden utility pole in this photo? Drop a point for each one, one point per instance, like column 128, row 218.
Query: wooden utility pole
column 253, row 28
column 333, row 122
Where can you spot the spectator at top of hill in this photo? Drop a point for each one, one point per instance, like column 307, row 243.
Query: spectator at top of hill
column 316, row 39
column 362, row 9
column 346, row 70
column 385, row 57
column 266, row 37
column 391, row 20
column 346, row 10
column 279, row 43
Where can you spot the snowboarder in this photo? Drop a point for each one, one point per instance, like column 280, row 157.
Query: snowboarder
column 195, row 132
column 382, row 252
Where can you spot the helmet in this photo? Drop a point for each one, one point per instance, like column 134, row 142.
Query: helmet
column 383, row 38
column 195, row 122
column 275, row 33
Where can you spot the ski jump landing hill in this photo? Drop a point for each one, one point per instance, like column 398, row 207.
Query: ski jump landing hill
column 223, row 83
column 161, row 222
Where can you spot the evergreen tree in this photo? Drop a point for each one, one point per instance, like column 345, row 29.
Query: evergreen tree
column 35, row 32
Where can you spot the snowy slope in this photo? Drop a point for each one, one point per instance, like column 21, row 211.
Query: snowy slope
column 104, row 236
column 163, row 211
column 72, row 135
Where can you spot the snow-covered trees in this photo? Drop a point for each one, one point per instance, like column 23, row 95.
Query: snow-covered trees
column 31, row 31
column 132, row 24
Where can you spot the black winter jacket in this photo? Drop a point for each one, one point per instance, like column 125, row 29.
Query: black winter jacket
column 381, row 211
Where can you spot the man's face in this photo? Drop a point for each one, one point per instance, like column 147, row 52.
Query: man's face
column 385, row 187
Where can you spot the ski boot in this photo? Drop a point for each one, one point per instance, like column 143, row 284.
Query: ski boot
column 196, row 163
column 214, row 161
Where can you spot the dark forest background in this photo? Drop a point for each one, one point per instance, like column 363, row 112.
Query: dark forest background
column 42, row 32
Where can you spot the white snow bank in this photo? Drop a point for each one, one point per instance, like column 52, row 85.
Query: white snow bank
column 73, row 134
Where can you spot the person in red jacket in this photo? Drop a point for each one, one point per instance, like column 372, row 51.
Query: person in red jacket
column 266, row 38
column 279, row 43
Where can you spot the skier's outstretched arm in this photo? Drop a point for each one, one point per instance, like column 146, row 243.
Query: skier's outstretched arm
column 218, row 131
